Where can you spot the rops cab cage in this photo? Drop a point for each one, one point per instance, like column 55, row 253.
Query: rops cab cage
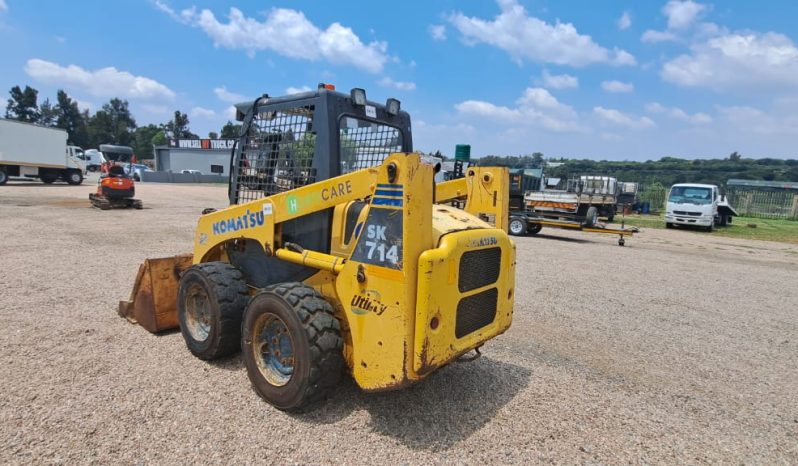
column 280, row 148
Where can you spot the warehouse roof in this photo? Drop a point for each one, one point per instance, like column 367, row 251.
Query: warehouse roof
column 791, row 185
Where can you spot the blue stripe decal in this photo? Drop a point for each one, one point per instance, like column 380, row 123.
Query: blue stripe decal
column 390, row 202
column 389, row 186
column 381, row 192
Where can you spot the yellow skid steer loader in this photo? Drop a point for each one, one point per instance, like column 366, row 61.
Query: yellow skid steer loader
column 338, row 251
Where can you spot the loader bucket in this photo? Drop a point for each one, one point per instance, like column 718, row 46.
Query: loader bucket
column 153, row 301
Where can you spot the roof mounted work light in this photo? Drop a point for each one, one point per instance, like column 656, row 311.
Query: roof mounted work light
column 358, row 96
column 392, row 106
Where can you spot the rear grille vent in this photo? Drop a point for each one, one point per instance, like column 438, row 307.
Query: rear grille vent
column 479, row 268
column 475, row 312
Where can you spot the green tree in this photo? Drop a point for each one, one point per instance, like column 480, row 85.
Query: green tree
column 735, row 157
column 113, row 124
column 23, row 105
column 213, row 135
column 143, row 140
column 178, row 127
column 159, row 139
column 48, row 113
column 69, row 118
column 230, row 130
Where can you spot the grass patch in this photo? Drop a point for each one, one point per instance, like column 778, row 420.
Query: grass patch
column 785, row 231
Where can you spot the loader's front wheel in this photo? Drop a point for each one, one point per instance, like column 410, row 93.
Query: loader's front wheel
column 210, row 302
column 292, row 346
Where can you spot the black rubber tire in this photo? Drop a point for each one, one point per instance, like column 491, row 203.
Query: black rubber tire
column 317, row 345
column 534, row 228
column 74, row 177
column 591, row 216
column 226, row 291
column 711, row 227
column 611, row 214
column 517, row 226
column 48, row 178
column 3, row 177
column 724, row 220
column 668, row 225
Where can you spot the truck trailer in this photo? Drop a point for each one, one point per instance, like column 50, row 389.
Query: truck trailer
column 32, row 151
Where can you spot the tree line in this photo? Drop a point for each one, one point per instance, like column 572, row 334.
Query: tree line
column 667, row 170
column 113, row 123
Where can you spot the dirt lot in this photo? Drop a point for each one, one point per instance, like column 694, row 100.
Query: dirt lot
column 677, row 348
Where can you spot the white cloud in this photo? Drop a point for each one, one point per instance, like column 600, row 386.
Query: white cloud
column 558, row 81
column 226, row 96
column 437, row 31
column 526, row 37
column 200, row 112
column 401, row 85
column 651, row 36
column 536, row 107
column 678, row 114
column 230, row 113
column 104, row 82
column 618, row 118
column 624, row 21
column 286, row 32
column 754, row 120
column 681, row 14
column 297, row 90
column 737, row 61
column 155, row 110
column 3, row 6
column 617, row 86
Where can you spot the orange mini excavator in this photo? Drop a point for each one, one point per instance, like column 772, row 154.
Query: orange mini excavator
column 116, row 187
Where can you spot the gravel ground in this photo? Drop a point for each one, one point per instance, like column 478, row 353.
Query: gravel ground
column 678, row 348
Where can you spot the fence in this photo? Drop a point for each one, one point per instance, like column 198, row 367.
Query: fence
column 764, row 204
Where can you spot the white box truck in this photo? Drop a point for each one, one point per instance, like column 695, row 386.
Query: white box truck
column 699, row 205
column 32, row 151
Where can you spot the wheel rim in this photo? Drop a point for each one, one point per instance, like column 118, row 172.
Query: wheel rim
column 198, row 313
column 516, row 227
column 273, row 350
column 75, row 177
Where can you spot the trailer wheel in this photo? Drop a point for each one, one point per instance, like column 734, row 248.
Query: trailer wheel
column 591, row 217
column 292, row 346
column 74, row 177
column 48, row 178
column 3, row 176
column 534, row 228
column 517, row 226
column 210, row 302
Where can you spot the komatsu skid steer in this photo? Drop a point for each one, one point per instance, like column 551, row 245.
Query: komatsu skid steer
column 338, row 253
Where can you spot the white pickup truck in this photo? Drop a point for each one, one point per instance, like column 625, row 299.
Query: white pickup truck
column 699, row 205
column 31, row 151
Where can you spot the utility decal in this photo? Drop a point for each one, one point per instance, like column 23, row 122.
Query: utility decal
column 242, row 222
column 362, row 305
column 380, row 242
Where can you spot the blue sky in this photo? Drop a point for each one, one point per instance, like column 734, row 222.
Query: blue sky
column 617, row 80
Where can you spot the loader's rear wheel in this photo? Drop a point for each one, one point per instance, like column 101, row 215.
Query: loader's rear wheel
column 210, row 302
column 292, row 346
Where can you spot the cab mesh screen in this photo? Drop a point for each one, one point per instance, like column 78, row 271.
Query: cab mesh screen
column 277, row 155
